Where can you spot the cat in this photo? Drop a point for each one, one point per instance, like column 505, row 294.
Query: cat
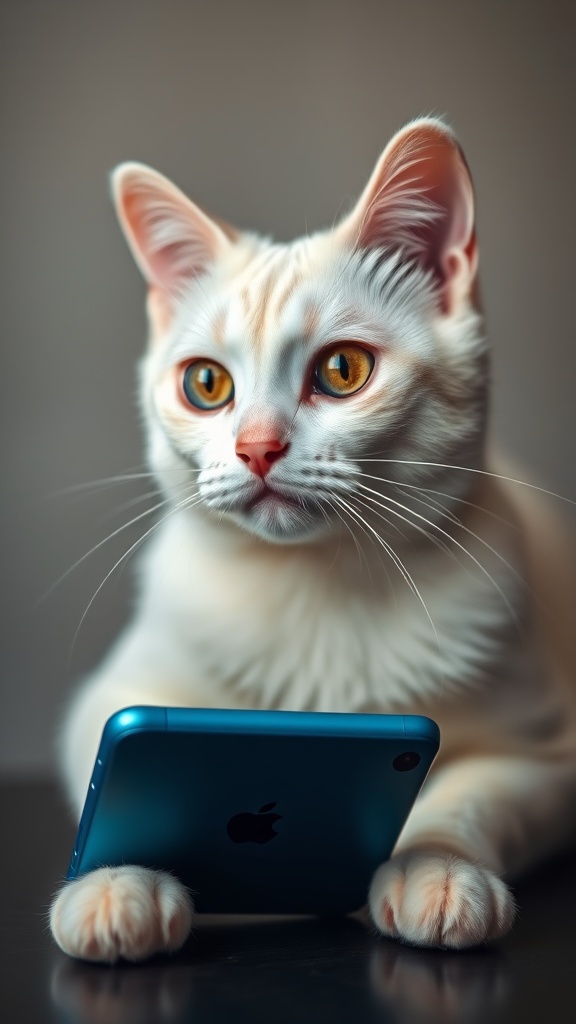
column 334, row 537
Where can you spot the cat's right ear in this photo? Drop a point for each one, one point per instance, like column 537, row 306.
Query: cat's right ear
column 171, row 239
column 420, row 201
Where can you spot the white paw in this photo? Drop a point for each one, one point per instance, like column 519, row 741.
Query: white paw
column 438, row 899
column 129, row 912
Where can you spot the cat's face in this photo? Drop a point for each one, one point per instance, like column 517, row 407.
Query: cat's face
column 276, row 373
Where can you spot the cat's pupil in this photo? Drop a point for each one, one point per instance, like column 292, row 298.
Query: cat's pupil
column 342, row 366
column 207, row 379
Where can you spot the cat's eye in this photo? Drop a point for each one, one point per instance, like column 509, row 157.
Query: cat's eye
column 207, row 385
column 343, row 370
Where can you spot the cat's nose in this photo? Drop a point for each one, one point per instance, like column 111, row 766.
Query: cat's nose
column 259, row 455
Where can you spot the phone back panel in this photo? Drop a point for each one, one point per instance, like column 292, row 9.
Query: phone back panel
column 257, row 812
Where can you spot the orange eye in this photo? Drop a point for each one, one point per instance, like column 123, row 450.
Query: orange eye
column 207, row 385
column 343, row 370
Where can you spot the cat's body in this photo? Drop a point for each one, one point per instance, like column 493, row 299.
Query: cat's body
column 334, row 539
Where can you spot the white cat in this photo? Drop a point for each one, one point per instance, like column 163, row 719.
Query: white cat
column 333, row 538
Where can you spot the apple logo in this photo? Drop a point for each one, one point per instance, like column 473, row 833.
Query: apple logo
column 253, row 828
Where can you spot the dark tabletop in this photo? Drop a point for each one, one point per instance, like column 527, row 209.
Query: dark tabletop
column 240, row 970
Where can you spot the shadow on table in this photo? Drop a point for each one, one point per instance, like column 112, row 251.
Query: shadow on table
column 308, row 970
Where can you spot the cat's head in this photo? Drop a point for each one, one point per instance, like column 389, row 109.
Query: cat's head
column 276, row 373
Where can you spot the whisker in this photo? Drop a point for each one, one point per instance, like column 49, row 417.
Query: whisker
column 437, row 506
column 103, row 482
column 186, row 503
column 469, row 469
column 446, row 513
column 399, row 565
column 377, row 548
column 365, row 498
column 361, row 554
column 327, row 518
column 461, row 501
column 457, row 522
column 110, row 536
column 441, row 494
column 135, row 501
column 440, row 544
column 130, row 504
column 453, row 540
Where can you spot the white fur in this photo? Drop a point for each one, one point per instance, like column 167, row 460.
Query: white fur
column 439, row 900
column 319, row 602
column 121, row 912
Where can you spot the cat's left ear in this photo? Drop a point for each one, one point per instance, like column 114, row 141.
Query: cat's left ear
column 420, row 200
column 172, row 239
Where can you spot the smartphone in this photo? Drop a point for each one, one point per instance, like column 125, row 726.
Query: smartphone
column 255, row 811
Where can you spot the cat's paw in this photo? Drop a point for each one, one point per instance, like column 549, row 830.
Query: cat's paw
column 130, row 912
column 438, row 899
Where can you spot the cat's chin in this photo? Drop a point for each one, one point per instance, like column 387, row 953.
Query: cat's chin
column 279, row 521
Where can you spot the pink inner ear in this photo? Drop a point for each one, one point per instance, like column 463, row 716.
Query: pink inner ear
column 171, row 239
column 420, row 200
column 174, row 246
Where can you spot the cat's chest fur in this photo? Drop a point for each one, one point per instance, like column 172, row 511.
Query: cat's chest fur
column 308, row 628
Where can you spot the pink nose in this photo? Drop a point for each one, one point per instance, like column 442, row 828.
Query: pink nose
column 259, row 455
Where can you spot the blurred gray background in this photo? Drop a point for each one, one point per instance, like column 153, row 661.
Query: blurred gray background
column 272, row 115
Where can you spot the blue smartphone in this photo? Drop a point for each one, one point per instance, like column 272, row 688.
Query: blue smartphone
column 255, row 811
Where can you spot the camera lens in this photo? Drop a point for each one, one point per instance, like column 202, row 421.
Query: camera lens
column 406, row 762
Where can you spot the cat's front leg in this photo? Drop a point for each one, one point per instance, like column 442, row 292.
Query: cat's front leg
column 480, row 818
column 124, row 912
column 128, row 912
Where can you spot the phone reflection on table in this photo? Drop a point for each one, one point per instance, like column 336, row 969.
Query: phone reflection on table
column 252, row 971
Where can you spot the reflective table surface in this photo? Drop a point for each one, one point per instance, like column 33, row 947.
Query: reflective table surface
column 238, row 970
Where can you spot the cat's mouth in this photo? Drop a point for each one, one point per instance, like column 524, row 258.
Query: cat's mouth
column 277, row 514
column 270, row 494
